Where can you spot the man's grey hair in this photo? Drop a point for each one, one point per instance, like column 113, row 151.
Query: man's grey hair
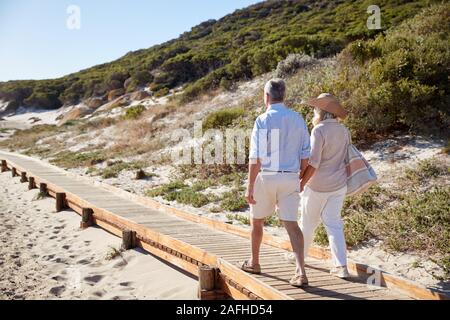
column 276, row 89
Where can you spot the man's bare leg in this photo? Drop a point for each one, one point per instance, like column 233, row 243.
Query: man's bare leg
column 296, row 237
column 257, row 235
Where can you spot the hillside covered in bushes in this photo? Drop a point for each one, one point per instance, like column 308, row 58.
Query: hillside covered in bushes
column 240, row 46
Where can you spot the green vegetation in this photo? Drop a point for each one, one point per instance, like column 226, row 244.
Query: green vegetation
column 233, row 201
column 241, row 45
column 68, row 159
column 134, row 113
column 182, row 193
column 292, row 63
column 222, row 118
column 273, row 221
column 424, row 171
column 113, row 253
column 115, row 169
column 238, row 217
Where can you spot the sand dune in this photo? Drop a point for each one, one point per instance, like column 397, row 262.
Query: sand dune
column 44, row 255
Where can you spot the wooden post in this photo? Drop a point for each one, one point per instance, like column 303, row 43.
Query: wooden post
column 208, row 288
column 23, row 177
column 128, row 239
column 86, row 218
column 60, row 201
column 4, row 166
column 31, row 183
column 13, row 172
column 43, row 189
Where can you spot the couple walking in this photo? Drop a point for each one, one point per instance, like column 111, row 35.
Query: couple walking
column 288, row 168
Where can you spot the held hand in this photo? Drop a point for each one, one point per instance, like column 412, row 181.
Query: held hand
column 249, row 195
column 302, row 187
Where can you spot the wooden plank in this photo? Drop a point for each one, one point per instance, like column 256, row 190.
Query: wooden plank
column 180, row 263
column 230, row 290
column 345, row 292
column 251, row 283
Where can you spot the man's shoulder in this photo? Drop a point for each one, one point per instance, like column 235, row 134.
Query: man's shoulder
column 262, row 117
column 274, row 114
column 297, row 116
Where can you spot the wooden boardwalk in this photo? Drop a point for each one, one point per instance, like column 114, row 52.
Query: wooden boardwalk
column 190, row 245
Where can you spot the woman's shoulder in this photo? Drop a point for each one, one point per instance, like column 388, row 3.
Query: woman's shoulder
column 345, row 130
column 318, row 127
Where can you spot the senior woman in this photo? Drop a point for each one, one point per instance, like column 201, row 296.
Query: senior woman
column 324, row 183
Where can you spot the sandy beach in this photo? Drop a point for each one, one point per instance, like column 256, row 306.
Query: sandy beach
column 44, row 255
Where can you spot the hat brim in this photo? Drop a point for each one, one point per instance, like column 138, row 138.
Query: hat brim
column 328, row 104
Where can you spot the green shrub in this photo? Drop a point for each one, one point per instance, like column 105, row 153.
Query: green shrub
column 166, row 188
column 233, row 201
column 223, row 118
column 238, row 217
column 162, row 92
column 292, row 64
column 191, row 197
column 68, row 159
column 134, row 113
column 114, row 170
column 182, row 193
column 425, row 170
column 273, row 221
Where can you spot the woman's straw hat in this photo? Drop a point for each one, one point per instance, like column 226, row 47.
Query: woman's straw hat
column 328, row 103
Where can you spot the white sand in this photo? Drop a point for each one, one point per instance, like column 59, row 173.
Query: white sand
column 29, row 117
column 44, row 255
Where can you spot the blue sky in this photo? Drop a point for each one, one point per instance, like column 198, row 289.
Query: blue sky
column 35, row 42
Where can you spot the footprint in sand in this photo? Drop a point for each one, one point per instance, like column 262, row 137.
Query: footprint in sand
column 57, row 290
column 58, row 278
column 60, row 260
column 94, row 279
column 120, row 264
column 84, row 261
column 97, row 294
column 66, row 247
column 126, row 284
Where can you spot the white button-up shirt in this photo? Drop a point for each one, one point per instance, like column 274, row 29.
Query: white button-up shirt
column 280, row 139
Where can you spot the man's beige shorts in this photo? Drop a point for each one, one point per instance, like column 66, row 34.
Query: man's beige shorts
column 276, row 191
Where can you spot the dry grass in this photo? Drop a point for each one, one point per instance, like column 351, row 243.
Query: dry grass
column 113, row 253
column 23, row 139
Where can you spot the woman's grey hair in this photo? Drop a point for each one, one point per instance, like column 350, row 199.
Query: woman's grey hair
column 276, row 89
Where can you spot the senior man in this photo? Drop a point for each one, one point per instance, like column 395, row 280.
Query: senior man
column 279, row 153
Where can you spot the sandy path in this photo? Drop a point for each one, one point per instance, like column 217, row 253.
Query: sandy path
column 44, row 255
